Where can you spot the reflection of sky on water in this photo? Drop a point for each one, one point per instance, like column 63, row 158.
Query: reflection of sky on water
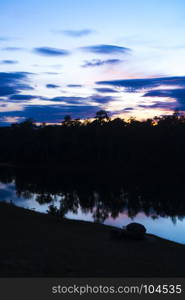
column 8, row 194
column 164, row 227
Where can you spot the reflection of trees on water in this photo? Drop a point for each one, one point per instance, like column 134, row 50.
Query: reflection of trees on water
column 164, row 198
column 44, row 198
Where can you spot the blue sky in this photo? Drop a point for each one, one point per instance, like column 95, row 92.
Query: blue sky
column 76, row 57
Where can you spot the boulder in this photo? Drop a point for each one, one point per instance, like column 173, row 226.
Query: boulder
column 135, row 231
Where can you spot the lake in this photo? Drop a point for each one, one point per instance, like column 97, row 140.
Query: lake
column 157, row 204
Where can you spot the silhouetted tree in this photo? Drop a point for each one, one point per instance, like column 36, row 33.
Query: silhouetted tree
column 67, row 120
column 102, row 116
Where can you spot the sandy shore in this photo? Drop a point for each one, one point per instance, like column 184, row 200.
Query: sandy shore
column 34, row 244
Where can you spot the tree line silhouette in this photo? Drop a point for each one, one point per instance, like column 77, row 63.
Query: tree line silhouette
column 99, row 144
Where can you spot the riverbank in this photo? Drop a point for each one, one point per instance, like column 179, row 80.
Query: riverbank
column 34, row 244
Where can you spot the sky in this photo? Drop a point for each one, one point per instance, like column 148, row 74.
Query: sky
column 65, row 57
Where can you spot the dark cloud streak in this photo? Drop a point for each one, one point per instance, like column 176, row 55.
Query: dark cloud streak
column 13, row 83
column 106, row 49
column 9, row 62
column 134, row 85
column 52, row 86
column 74, row 85
column 23, row 97
column 48, row 51
column 53, row 113
column 105, row 90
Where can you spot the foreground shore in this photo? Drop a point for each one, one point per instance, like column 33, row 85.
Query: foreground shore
column 34, row 244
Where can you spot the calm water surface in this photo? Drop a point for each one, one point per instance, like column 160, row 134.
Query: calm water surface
column 163, row 217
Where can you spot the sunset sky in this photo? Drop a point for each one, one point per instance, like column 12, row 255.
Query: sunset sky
column 79, row 56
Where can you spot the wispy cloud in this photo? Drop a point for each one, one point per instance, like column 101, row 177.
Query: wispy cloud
column 176, row 94
column 99, row 62
column 4, row 38
column 69, row 100
column 165, row 105
column 77, row 33
column 172, row 93
column 86, row 100
column 12, row 48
